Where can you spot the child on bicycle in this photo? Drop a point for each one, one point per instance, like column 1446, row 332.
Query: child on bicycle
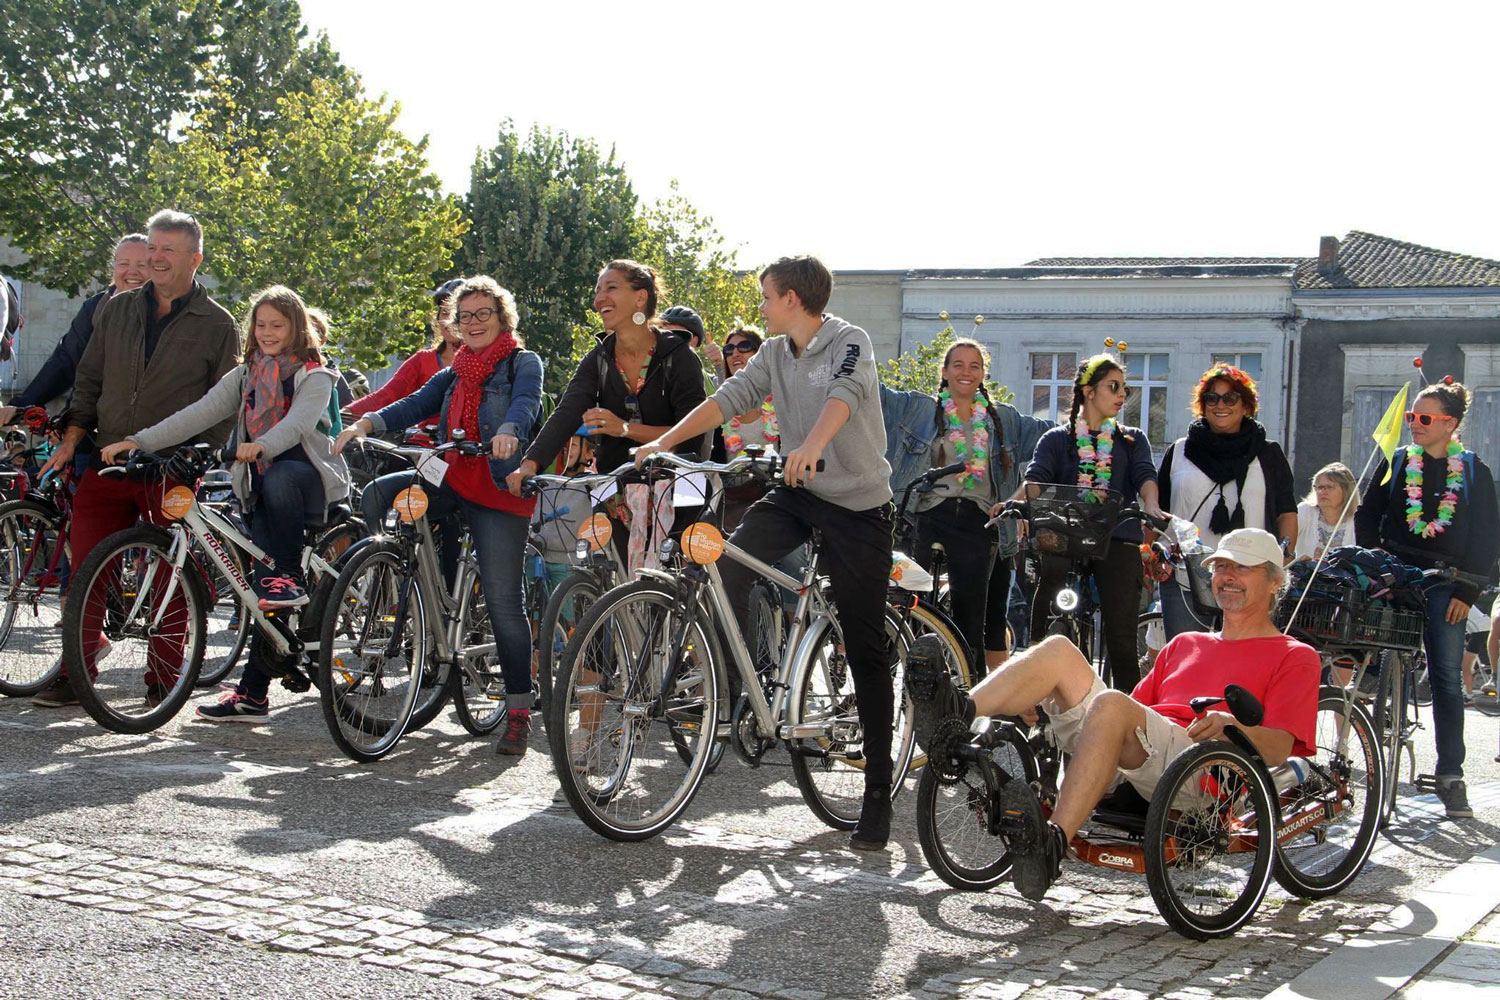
column 565, row 508
column 285, row 471
column 821, row 372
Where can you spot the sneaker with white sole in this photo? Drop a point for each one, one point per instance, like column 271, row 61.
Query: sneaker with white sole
column 235, row 707
column 1454, row 795
column 281, row 592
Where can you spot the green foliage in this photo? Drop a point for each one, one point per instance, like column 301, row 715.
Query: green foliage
column 327, row 197
column 545, row 213
column 696, row 265
column 89, row 87
column 921, row 368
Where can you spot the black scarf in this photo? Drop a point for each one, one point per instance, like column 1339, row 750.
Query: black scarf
column 1225, row 457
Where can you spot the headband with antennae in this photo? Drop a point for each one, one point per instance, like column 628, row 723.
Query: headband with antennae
column 1092, row 365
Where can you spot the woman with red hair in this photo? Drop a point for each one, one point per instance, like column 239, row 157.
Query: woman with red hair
column 1225, row 474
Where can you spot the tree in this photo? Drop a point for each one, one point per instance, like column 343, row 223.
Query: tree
column 89, row 87
column 545, row 214
column 327, row 196
column 921, row 368
column 696, row 265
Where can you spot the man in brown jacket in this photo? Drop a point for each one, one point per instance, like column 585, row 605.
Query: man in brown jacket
column 155, row 349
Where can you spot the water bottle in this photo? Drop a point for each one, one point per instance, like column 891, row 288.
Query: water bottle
column 1291, row 774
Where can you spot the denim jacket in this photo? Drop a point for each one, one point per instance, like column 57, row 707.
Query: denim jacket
column 912, row 423
column 511, row 403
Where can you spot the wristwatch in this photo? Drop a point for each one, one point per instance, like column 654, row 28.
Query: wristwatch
column 625, row 428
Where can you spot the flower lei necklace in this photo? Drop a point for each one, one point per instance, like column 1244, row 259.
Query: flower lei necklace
column 734, row 442
column 1094, row 461
column 1449, row 503
column 976, row 462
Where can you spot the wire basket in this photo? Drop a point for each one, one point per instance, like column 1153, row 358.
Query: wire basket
column 1352, row 623
column 1072, row 521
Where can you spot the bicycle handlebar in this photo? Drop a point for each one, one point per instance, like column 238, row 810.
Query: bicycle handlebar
column 533, row 484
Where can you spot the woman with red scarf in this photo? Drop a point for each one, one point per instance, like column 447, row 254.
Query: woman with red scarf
column 493, row 392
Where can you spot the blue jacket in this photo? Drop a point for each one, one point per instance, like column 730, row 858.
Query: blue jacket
column 913, row 421
column 512, row 400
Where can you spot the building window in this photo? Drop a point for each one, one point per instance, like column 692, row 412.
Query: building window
column 1147, row 375
column 1247, row 363
column 1052, row 376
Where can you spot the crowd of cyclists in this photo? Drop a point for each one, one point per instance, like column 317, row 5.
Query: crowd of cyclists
column 153, row 363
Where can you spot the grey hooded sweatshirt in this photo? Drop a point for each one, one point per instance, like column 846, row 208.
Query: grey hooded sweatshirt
column 838, row 363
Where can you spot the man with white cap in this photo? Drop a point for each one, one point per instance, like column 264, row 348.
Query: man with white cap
column 1112, row 735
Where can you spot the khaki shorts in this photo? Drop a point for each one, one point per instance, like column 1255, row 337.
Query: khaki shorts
column 1161, row 738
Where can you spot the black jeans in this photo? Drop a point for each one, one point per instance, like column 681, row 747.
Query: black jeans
column 997, row 606
column 1118, row 577
column 969, row 548
column 856, row 556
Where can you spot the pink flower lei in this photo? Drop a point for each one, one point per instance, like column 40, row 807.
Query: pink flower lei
column 1094, row 463
column 977, row 462
column 734, row 442
column 1454, row 482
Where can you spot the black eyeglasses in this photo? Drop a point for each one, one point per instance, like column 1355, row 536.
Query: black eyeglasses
column 478, row 316
column 1230, row 398
column 742, row 347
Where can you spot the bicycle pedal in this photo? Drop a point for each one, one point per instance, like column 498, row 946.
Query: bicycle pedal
column 296, row 681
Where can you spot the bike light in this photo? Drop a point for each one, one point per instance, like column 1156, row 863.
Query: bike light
column 1067, row 599
column 581, row 550
column 666, row 549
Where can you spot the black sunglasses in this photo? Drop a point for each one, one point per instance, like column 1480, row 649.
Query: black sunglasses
column 1230, row 398
column 743, row 347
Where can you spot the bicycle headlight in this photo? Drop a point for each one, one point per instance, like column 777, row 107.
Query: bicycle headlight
column 1067, row 599
column 581, row 550
column 390, row 521
column 667, row 548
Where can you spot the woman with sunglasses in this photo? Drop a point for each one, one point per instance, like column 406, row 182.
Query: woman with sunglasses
column 1438, row 507
column 1094, row 450
column 1225, row 474
column 632, row 387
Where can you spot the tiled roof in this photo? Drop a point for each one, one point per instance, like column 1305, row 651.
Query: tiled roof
column 1369, row 261
column 1155, row 261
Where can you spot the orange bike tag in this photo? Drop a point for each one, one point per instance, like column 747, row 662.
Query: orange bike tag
column 702, row 543
column 597, row 531
column 176, row 503
column 410, row 504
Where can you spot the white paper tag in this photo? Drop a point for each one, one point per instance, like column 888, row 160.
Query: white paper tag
column 689, row 490
column 604, row 491
column 432, row 468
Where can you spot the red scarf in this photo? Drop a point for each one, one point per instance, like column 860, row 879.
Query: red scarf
column 471, row 368
column 263, row 383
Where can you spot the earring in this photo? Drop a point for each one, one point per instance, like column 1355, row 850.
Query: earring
column 638, row 318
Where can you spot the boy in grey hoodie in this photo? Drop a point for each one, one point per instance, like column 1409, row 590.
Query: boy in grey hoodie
column 821, row 372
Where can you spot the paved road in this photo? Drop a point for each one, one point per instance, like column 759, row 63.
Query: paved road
column 254, row 860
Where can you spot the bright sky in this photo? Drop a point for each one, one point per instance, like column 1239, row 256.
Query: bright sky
column 940, row 134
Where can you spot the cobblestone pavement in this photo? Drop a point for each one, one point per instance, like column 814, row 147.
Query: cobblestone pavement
column 449, row 863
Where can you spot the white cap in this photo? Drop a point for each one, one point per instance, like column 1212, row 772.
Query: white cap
column 1247, row 547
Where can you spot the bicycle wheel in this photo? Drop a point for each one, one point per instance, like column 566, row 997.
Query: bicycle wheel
column 145, row 674
column 230, row 619
column 613, row 742
column 30, row 580
column 1390, row 721
column 1150, row 637
column 1345, row 784
column 925, row 619
column 372, row 652
column 1209, row 840
column 569, row 602
column 954, row 816
column 477, row 687
column 830, row 766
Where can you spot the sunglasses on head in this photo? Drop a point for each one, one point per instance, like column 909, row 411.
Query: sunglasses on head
column 1425, row 419
column 1230, row 398
column 741, row 346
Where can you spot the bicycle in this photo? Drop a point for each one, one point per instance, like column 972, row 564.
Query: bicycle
column 1201, row 839
column 634, row 712
column 397, row 643
column 136, row 589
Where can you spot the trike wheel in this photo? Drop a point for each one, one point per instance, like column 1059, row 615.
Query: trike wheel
column 372, row 653
column 146, row 672
column 954, row 818
column 1210, row 836
column 1346, row 778
column 616, row 747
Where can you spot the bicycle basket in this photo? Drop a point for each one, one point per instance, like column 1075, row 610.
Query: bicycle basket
column 1351, row 623
column 1201, row 595
column 1072, row 521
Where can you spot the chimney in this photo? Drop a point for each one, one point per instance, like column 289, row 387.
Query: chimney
column 1328, row 254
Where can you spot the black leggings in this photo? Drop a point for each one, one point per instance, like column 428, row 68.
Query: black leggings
column 969, row 548
column 1118, row 577
column 997, row 606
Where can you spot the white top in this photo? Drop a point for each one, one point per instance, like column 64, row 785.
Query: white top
column 1194, row 495
column 1313, row 533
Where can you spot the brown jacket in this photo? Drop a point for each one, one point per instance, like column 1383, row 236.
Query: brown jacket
column 116, row 392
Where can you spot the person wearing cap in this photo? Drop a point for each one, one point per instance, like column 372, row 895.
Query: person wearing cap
column 421, row 366
column 1112, row 735
column 686, row 320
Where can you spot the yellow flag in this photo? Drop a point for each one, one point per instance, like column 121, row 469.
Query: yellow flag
column 1388, row 434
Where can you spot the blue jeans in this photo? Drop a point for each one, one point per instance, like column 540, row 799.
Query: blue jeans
column 1445, row 651
column 499, row 544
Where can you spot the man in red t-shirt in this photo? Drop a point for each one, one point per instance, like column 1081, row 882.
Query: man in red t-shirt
column 1111, row 735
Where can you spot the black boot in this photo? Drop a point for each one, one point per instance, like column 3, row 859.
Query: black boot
column 874, row 827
